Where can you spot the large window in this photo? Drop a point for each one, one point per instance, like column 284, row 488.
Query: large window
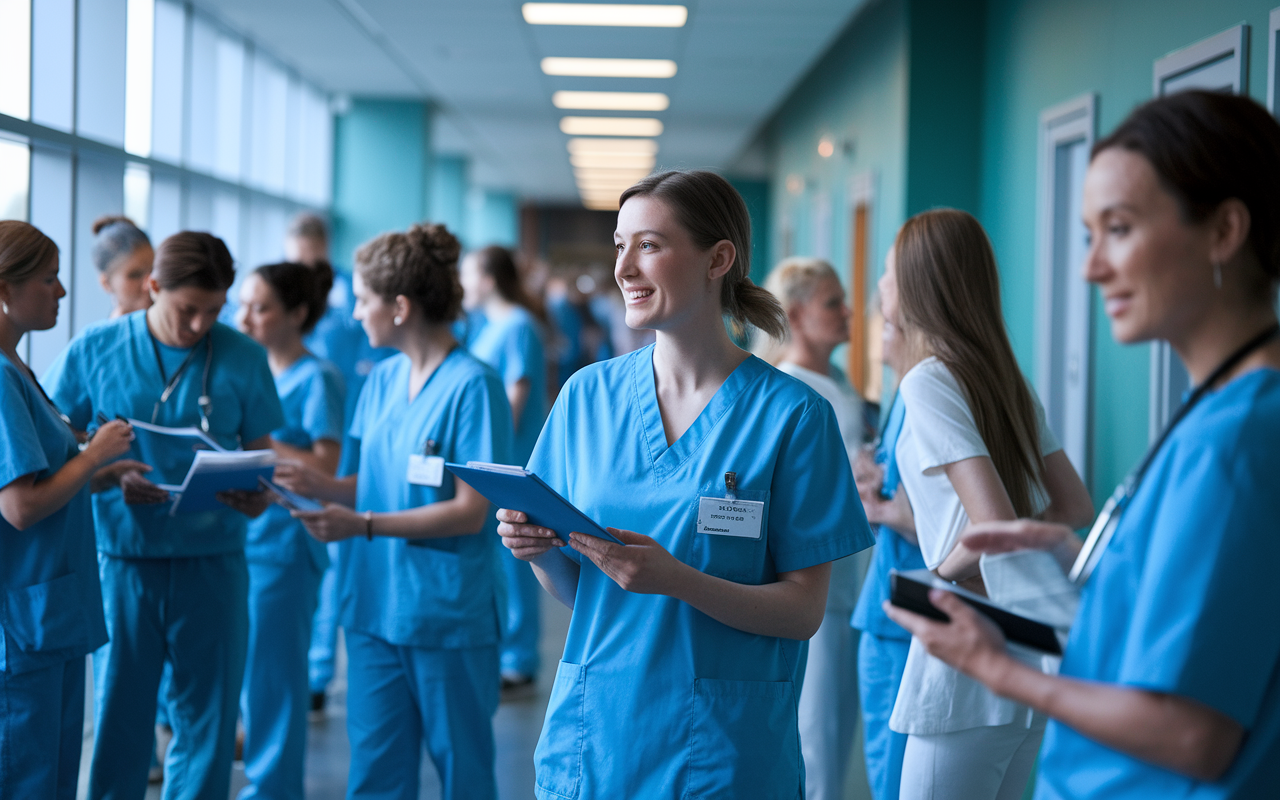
column 153, row 109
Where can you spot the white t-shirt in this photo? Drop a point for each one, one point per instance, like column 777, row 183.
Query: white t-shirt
column 939, row 429
column 847, row 573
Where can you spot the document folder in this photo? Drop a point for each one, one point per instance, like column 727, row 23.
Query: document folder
column 520, row 490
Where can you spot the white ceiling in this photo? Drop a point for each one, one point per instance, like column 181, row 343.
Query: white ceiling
column 478, row 61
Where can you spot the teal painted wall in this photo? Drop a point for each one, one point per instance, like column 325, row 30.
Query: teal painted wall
column 755, row 193
column 493, row 217
column 448, row 193
column 1040, row 53
column 382, row 160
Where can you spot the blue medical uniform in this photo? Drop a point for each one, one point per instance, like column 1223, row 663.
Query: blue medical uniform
column 883, row 647
column 420, row 616
column 654, row 698
column 339, row 339
column 1182, row 602
column 51, row 614
column 285, row 565
column 513, row 347
column 174, row 587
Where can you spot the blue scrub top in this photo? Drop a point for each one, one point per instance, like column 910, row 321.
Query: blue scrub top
column 513, row 347
column 51, row 610
column 654, row 698
column 111, row 369
column 424, row 592
column 892, row 551
column 339, row 339
column 1183, row 601
column 313, row 399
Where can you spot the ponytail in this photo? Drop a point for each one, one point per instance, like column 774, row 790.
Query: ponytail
column 712, row 211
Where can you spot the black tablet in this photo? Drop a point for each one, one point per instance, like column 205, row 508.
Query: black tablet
column 910, row 590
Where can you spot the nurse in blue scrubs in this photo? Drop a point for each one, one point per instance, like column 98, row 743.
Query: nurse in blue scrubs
column 174, row 587
column 507, row 336
column 52, row 612
column 279, row 303
column 338, row 339
column 883, row 646
column 1170, row 686
column 728, row 484
column 418, row 563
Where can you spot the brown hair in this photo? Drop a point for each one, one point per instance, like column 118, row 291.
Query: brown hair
column 712, row 211
column 117, row 237
column 1208, row 147
column 949, row 296
column 297, row 285
column 498, row 263
column 191, row 258
column 421, row 264
column 24, row 251
column 309, row 226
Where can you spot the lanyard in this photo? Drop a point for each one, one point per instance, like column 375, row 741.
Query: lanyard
column 24, row 368
column 203, row 402
column 1104, row 528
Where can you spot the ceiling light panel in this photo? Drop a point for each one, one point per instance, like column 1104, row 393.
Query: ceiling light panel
column 611, row 101
column 609, row 67
column 616, row 146
column 611, row 126
column 612, row 161
column 605, row 14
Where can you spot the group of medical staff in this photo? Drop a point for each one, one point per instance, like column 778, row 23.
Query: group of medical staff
column 730, row 630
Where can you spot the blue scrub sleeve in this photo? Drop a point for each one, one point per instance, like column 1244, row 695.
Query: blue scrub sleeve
column 550, row 458
column 20, row 449
column 523, row 355
column 67, row 385
column 1203, row 625
column 815, row 515
column 482, row 428
column 260, row 404
column 323, row 407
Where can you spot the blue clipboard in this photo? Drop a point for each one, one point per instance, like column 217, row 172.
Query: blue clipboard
column 520, row 490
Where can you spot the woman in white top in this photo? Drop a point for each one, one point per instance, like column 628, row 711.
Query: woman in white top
column 817, row 322
column 973, row 447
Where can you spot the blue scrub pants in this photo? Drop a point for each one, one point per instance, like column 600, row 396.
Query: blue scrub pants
column 193, row 612
column 402, row 698
column 881, row 662
column 324, row 628
column 276, row 694
column 524, row 619
column 42, row 731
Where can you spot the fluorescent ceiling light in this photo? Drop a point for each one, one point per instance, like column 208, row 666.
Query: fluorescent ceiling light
column 609, row 172
column 612, row 101
column 600, row 205
column 611, row 126
column 612, row 160
column 630, row 16
column 616, row 146
column 610, row 67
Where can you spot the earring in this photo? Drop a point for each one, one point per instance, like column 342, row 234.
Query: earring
column 396, row 321
column 1217, row 274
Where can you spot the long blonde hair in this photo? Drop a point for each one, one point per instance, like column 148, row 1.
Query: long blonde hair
column 949, row 301
column 792, row 282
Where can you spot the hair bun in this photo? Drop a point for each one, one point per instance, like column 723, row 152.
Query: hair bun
column 434, row 242
column 110, row 219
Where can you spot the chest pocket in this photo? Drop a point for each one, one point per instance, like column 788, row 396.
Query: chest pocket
column 734, row 558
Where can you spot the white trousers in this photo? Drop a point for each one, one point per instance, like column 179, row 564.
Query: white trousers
column 988, row 763
column 828, row 708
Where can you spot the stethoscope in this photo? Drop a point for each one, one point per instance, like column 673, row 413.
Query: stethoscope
column 203, row 402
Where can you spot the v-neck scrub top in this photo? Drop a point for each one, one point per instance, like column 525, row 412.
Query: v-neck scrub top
column 438, row 592
column 1184, row 600
column 51, row 606
column 111, row 370
column 654, row 698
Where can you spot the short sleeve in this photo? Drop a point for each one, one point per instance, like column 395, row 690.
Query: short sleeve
column 815, row 515
column 323, row 406
column 1201, row 626
column 550, row 460
column 20, row 449
column 1048, row 442
column 261, row 410
column 939, row 415
column 67, row 387
column 523, row 354
column 482, row 423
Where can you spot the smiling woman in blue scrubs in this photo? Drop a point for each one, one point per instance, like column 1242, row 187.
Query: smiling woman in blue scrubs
column 279, row 303
column 684, row 655
column 174, row 587
column 418, row 562
column 1170, row 686
column 52, row 612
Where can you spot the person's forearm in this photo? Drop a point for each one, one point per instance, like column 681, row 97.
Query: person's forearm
column 453, row 517
column 338, row 490
column 558, row 574
column 23, row 503
column 783, row 608
column 1162, row 729
column 962, row 564
column 325, row 465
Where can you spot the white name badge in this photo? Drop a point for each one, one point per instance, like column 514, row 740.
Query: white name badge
column 426, row 470
column 742, row 518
